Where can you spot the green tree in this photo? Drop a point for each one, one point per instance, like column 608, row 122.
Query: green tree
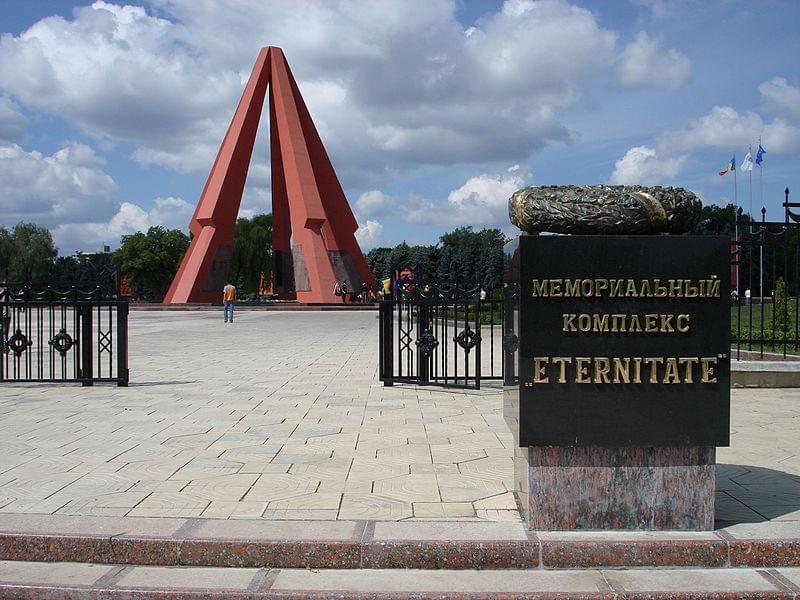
column 399, row 257
column 252, row 252
column 472, row 257
column 27, row 252
column 781, row 315
column 378, row 260
column 6, row 251
column 150, row 260
column 81, row 267
column 718, row 220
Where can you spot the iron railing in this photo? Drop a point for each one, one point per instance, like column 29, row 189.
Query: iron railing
column 765, row 276
column 68, row 335
column 441, row 333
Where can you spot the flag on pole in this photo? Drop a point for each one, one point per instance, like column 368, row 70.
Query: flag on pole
column 731, row 166
column 747, row 162
column 760, row 155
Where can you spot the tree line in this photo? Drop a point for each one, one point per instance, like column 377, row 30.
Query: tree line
column 150, row 259
column 463, row 256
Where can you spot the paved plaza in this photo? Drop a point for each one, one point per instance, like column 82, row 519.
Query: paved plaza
column 281, row 416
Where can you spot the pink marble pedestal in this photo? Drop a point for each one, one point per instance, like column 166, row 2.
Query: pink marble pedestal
column 616, row 488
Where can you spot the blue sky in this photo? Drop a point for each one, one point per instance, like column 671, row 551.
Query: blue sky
column 433, row 112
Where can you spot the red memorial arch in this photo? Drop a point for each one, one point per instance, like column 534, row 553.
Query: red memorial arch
column 313, row 239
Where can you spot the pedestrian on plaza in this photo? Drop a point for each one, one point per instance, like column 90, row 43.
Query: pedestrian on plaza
column 228, row 300
column 345, row 290
column 364, row 292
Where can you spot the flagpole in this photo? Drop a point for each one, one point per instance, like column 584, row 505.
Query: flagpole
column 761, row 230
column 736, row 220
column 750, row 174
column 760, row 176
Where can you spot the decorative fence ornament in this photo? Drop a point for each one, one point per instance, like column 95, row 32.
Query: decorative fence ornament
column 19, row 343
column 467, row 339
column 62, row 342
column 427, row 342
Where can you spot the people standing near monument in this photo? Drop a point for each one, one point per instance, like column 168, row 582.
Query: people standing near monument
column 228, row 300
column 340, row 289
column 364, row 292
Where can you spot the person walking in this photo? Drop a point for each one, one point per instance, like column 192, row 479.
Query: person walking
column 228, row 300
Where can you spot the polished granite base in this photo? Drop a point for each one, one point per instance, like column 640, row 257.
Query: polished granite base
column 617, row 488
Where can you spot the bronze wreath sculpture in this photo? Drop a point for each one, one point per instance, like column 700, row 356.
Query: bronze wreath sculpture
column 604, row 209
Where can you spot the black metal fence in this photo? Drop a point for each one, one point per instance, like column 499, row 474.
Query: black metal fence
column 72, row 335
column 441, row 334
column 765, row 275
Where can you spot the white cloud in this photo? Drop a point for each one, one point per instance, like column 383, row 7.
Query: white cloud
column 369, row 234
column 643, row 165
column 68, row 185
column 723, row 128
column 171, row 213
column 374, row 203
column 727, row 129
column 12, row 121
column 481, row 201
column 781, row 98
column 390, row 85
column 70, row 193
column 645, row 63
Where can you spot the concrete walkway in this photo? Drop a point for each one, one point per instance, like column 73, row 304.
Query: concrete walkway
column 281, row 416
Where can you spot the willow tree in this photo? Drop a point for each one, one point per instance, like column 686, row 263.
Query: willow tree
column 252, row 252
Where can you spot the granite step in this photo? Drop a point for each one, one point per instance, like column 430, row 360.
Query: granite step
column 95, row 581
column 384, row 544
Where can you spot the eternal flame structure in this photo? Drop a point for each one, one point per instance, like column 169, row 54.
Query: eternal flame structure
column 313, row 239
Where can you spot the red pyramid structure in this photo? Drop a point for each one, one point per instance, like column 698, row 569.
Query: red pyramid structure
column 313, row 240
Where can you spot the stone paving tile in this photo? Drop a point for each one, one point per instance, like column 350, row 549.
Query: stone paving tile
column 792, row 575
column 206, row 578
column 33, row 573
column 697, row 580
column 374, row 507
column 443, row 510
column 411, row 488
column 412, row 580
column 294, row 413
column 165, row 504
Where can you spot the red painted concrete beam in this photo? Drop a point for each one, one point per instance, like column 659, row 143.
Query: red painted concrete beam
column 313, row 226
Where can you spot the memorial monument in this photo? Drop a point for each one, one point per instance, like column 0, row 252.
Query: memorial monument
column 313, row 239
column 617, row 385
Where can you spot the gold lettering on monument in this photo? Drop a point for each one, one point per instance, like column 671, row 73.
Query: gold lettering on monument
column 626, row 288
column 624, row 323
column 625, row 369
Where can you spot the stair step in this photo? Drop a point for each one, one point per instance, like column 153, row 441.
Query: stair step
column 20, row 579
column 384, row 545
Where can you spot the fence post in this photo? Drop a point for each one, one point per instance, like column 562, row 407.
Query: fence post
column 87, row 368
column 386, row 358
column 423, row 357
column 122, row 344
column 478, row 323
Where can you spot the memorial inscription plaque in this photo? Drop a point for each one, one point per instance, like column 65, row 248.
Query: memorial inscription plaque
column 624, row 341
